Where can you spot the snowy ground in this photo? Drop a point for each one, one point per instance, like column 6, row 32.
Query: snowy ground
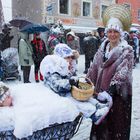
column 84, row 131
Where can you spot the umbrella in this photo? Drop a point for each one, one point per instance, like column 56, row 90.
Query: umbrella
column 19, row 22
column 34, row 28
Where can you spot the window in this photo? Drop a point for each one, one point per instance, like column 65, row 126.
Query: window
column 86, row 8
column 103, row 9
column 127, row 5
column 64, row 6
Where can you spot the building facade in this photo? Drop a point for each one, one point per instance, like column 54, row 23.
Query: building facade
column 134, row 6
column 28, row 9
column 80, row 15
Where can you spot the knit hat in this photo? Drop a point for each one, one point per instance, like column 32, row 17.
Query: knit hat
column 63, row 50
column 3, row 92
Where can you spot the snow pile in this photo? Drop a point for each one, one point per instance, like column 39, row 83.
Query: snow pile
column 10, row 56
column 36, row 107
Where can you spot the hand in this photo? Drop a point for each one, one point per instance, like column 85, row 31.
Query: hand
column 73, row 81
column 27, row 61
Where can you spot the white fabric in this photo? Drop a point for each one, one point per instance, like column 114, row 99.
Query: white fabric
column 53, row 63
column 115, row 24
column 10, row 56
column 104, row 96
column 87, row 108
column 36, row 107
column 7, row 120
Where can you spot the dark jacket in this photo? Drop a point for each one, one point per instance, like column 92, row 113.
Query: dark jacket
column 90, row 45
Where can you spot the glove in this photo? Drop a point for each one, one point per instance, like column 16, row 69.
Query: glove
column 27, row 61
column 74, row 81
column 105, row 97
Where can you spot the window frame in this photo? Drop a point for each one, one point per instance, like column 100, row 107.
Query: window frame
column 82, row 8
column 101, row 11
column 69, row 7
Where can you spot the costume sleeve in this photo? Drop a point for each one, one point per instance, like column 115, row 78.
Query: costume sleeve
column 58, row 83
column 123, row 73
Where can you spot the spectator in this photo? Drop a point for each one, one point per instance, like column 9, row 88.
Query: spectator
column 101, row 32
column 90, row 44
column 39, row 52
column 5, row 38
column 111, row 71
column 134, row 42
column 25, row 56
column 53, row 39
column 73, row 41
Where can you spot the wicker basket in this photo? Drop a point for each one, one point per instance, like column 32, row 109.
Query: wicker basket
column 64, row 131
column 84, row 90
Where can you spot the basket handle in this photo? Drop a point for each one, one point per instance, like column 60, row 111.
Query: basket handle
column 87, row 79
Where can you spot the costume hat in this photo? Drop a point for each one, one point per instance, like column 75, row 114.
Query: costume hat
column 117, row 16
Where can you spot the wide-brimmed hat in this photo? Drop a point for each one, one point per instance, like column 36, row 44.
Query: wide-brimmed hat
column 100, row 29
column 119, row 12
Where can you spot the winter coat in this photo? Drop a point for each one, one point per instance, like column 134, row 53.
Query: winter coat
column 74, row 44
column 116, row 70
column 39, row 50
column 56, row 74
column 25, row 52
column 5, row 40
column 90, row 44
column 52, row 42
column 58, row 83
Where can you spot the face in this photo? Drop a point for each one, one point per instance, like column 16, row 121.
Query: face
column 113, row 36
column 102, row 34
column 70, row 37
column 38, row 36
column 68, row 59
column 7, row 101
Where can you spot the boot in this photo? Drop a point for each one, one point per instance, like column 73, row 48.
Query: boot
column 36, row 77
column 41, row 77
column 26, row 73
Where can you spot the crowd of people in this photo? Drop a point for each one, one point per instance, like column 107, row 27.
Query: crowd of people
column 109, row 60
